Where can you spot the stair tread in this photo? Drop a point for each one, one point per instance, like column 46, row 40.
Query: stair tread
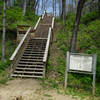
column 34, row 50
column 30, row 76
column 32, row 54
column 28, row 72
column 32, row 60
column 30, row 68
column 30, row 65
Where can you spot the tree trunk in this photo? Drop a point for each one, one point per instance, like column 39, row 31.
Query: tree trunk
column 55, row 7
column 8, row 3
column 77, row 21
column 99, row 6
column 38, row 7
column 60, row 8
column 33, row 5
column 63, row 10
column 4, row 31
column 24, row 7
column 53, row 4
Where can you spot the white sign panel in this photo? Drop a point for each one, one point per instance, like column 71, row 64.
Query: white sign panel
column 81, row 63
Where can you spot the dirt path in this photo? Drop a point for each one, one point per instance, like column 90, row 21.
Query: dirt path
column 29, row 89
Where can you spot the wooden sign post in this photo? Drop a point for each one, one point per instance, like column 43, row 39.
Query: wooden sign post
column 81, row 63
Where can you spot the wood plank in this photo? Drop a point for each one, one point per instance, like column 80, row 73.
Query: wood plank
column 30, row 68
column 20, row 65
column 28, row 72
column 27, row 76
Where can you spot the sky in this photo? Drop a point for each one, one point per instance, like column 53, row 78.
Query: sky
column 49, row 7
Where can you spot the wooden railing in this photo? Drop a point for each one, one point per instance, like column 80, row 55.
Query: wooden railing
column 19, row 50
column 53, row 20
column 20, row 44
column 37, row 23
column 24, row 38
column 50, row 36
column 47, row 45
column 44, row 14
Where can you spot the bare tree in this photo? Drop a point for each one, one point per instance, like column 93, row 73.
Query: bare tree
column 63, row 9
column 4, row 30
column 24, row 7
column 99, row 6
column 55, row 7
column 53, row 4
column 77, row 21
column 60, row 8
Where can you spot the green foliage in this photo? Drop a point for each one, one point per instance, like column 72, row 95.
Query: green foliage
column 62, row 42
column 4, row 64
column 14, row 17
column 90, row 17
column 3, row 81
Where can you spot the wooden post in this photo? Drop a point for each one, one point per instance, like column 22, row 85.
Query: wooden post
column 94, row 73
column 66, row 71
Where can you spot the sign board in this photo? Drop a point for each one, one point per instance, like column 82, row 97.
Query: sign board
column 81, row 63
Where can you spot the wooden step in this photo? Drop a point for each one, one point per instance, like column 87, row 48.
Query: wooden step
column 30, row 48
column 35, row 50
column 32, row 57
column 34, row 47
column 34, row 66
column 35, row 63
column 33, row 54
column 31, row 60
column 32, row 69
column 37, row 60
column 28, row 72
column 34, row 43
column 26, row 76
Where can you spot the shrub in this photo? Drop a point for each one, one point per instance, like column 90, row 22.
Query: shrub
column 89, row 17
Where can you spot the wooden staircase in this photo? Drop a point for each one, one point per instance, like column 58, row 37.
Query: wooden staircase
column 31, row 57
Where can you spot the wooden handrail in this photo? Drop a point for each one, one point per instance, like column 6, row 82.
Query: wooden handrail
column 20, row 44
column 43, row 14
column 53, row 22
column 47, row 45
column 37, row 23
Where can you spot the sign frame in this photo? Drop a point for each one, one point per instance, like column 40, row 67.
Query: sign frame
column 93, row 71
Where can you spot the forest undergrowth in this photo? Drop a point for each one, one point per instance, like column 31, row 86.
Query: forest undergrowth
column 88, row 42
